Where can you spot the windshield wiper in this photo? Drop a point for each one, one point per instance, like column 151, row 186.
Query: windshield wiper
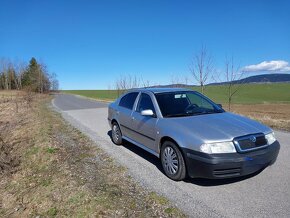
column 193, row 113
column 205, row 112
column 179, row 115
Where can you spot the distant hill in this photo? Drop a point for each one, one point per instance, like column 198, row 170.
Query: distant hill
column 179, row 85
column 264, row 78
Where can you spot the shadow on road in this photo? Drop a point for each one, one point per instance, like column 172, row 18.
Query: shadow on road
column 196, row 181
column 142, row 153
column 218, row 182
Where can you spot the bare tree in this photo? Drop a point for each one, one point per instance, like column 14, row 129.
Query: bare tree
column 202, row 67
column 175, row 81
column 145, row 83
column 53, row 82
column 179, row 80
column 186, row 80
column 10, row 76
column 4, row 68
column 19, row 67
column 126, row 82
column 233, row 74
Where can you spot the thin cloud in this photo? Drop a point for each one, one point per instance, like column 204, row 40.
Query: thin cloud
column 270, row 66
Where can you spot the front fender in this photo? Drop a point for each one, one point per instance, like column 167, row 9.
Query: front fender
column 185, row 138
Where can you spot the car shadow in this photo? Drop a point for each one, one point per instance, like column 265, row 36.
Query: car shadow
column 140, row 152
column 219, row 182
column 196, row 181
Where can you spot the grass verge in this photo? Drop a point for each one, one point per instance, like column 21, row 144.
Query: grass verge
column 53, row 170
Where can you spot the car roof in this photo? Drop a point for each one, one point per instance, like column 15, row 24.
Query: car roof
column 161, row 90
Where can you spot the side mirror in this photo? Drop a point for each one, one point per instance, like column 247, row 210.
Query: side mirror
column 148, row 112
column 220, row 105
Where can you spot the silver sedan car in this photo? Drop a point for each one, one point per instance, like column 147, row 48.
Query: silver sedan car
column 191, row 134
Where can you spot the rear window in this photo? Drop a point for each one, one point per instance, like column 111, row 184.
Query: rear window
column 128, row 100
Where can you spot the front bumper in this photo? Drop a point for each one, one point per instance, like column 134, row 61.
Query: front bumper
column 219, row 166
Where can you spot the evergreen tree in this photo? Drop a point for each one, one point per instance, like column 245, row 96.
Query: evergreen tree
column 29, row 78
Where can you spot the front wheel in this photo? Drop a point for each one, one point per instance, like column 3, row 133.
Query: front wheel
column 172, row 161
column 116, row 134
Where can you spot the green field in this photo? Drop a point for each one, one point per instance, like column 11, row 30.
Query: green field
column 247, row 94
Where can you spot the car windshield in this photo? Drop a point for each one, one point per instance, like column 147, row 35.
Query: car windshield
column 185, row 103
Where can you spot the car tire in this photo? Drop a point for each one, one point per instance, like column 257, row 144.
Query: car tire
column 172, row 161
column 116, row 134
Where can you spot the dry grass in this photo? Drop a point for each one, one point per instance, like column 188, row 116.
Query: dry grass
column 54, row 170
column 276, row 116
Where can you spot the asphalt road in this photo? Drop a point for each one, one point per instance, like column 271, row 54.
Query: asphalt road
column 266, row 194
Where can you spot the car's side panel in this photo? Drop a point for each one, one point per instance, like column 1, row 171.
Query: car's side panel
column 141, row 146
column 144, row 130
column 124, row 119
column 144, row 126
column 122, row 115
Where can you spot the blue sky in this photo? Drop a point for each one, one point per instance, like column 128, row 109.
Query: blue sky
column 89, row 44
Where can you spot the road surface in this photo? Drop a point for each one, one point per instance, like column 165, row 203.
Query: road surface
column 266, row 194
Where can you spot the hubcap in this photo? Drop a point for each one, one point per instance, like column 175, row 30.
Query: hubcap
column 170, row 160
column 116, row 133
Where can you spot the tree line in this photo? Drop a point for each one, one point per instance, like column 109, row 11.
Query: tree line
column 33, row 76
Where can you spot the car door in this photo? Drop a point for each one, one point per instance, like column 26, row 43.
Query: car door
column 144, row 126
column 124, row 113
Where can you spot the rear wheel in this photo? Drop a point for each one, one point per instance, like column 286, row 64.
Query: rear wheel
column 116, row 134
column 172, row 161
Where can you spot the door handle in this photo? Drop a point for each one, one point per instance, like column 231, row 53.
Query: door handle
column 133, row 118
column 117, row 112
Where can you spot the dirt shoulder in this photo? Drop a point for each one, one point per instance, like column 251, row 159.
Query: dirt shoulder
column 48, row 168
column 277, row 116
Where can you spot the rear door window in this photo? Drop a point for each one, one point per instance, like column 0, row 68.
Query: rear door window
column 128, row 100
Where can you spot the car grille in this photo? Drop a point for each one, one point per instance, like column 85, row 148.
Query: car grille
column 250, row 142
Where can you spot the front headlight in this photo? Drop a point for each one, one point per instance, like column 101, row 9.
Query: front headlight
column 218, row 148
column 270, row 138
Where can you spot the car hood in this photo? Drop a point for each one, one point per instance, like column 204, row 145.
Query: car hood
column 217, row 127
